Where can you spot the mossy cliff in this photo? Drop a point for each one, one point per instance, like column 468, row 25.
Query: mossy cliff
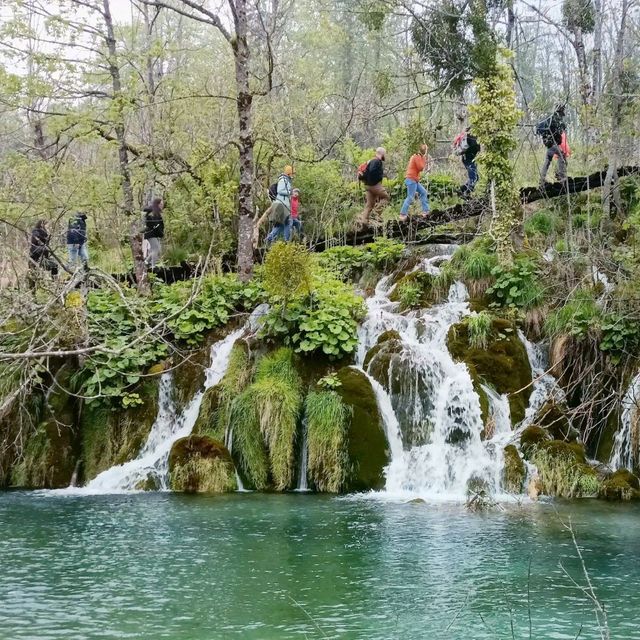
column 503, row 364
column 51, row 452
column 366, row 440
column 200, row 464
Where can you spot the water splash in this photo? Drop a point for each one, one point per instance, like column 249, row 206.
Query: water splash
column 303, row 484
column 152, row 463
column 625, row 454
column 430, row 410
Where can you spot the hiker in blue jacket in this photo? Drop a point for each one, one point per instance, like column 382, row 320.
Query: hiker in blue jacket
column 77, row 239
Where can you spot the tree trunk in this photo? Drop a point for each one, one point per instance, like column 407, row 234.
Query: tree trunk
column 583, row 67
column 597, row 53
column 123, row 156
column 244, row 102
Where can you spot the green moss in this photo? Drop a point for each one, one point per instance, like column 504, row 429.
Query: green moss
column 531, row 437
column 378, row 359
column 514, row 470
column 110, row 437
column 327, row 419
column 606, row 438
column 49, row 457
column 199, row 464
column 563, row 471
column 504, row 364
column 207, row 423
column 621, row 485
column 416, row 290
column 553, row 418
column 367, row 443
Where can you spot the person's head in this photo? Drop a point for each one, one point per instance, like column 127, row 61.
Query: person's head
column 381, row 153
column 41, row 224
column 296, row 193
column 81, row 214
column 157, row 205
column 288, row 171
column 559, row 109
column 422, row 149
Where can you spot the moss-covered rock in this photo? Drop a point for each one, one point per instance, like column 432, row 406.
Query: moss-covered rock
column 111, row 436
column 514, row 470
column 378, row 358
column 531, row 437
column 200, row 464
column 621, row 485
column 603, row 445
column 552, row 417
column 367, row 443
column 206, row 422
column 504, row 364
column 50, row 454
column 416, row 290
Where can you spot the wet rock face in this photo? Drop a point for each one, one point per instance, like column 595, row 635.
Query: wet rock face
column 504, row 364
column 553, row 417
column 514, row 470
column 200, row 464
column 367, row 443
column 621, row 485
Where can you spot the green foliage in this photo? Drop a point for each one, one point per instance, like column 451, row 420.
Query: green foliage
column 480, row 326
column 327, row 418
column 475, row 261
column 516, row 287
column 579, row 316
column 409, row 294
column 288, row 270
column 326, row 321
column 563, row 472
column 384, row 252
column 345, row 261
column 329, row 382
column 541, row 223
column 620, row 336
column 579, row 14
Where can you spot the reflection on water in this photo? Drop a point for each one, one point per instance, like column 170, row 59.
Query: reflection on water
column 276, row 567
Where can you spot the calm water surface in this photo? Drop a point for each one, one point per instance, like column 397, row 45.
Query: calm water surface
column 293, row 566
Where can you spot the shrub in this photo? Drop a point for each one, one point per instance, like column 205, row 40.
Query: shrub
column 384, row 252
column 479, row 327
column 579, row 315
column 344, row 261
column 541, row 223
column 288, row 270
column 516, row 287
column 327, row 418
column 474, row 261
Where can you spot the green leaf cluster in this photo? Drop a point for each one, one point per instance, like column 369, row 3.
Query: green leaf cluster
column 516, row 287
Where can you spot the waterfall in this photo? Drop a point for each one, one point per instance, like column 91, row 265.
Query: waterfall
column 153, row 460
column 304, row 460
column 431, row 415
column 624, row 455
column 228, row 442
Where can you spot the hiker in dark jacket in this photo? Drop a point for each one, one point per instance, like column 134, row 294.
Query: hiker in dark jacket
column 40, row 256
column 77, row 239
column 466, row 146
column 153, row 232
column 376, row 195
column 551, row 130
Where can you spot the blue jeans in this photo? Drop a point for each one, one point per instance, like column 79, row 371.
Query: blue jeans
column 472, row 173
column 294, row 223
column 78, row 252
column 412, row 187
column 278, row 230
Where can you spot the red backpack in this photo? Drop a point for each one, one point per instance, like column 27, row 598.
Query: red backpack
column 362, row 171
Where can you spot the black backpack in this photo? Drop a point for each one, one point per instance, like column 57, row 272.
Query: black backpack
column 273, row 192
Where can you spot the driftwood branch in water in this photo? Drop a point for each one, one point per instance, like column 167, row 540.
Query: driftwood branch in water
column 407, row 231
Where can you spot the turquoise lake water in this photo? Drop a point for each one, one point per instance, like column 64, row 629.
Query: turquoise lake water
column 260, row 566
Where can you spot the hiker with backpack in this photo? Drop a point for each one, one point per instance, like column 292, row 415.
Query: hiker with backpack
column 77, row 239
column 551, row 131
column 466, row 146
column 153, row 232
column 417, row 164
column 371, row 174
column 40, row 256
column 278, row 212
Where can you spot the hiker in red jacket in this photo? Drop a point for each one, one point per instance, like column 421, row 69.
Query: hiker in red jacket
column 294, row 220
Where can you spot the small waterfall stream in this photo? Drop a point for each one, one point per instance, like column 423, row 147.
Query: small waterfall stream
column 303, row 484
column 623, row 455
column 432, row 415
column 169, row 426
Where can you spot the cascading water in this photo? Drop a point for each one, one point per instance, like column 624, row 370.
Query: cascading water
column 304, row 460
column 153, row 460
column 431, row 412
column 625, row 450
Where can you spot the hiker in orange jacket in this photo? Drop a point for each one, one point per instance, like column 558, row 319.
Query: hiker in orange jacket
column 417, row 164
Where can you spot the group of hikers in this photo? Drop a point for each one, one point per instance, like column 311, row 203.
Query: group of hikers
column 41, row 256
column 283, row 211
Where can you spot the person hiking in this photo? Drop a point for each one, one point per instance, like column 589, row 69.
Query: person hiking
column 294, row 221
column 371, row 175
column 280, row 210
column 77, row 239
column 466, row 146
column 40, row 256
column 417, row 164
column 153, row 232
column 550, row 130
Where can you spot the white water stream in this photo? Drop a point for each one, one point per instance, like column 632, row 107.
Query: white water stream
column 625, row 454
column 430, row 410
column 168, row 427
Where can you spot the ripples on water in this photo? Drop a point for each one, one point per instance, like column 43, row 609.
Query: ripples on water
column 278, row 567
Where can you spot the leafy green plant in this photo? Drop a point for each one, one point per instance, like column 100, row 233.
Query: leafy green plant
column 345, row 261
column 577, row 317
column 409, row 294
column 479, row 326
column 474, row 261
column 384, row 252
column 517, row 286
column 329, row 382
column 288, row 270
column 541, row 223
column 620, row 336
